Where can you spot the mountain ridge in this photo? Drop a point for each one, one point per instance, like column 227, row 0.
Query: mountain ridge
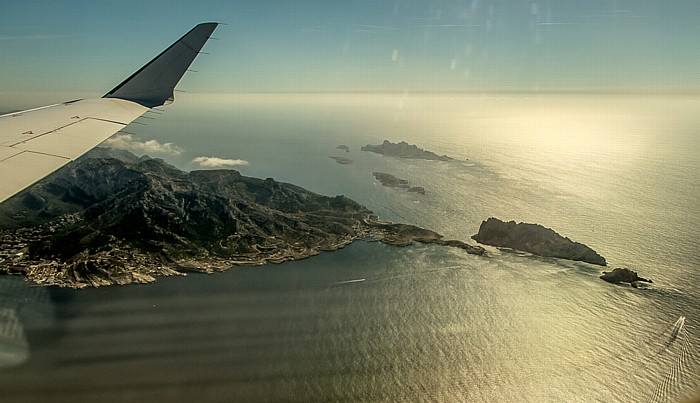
column 114, row 218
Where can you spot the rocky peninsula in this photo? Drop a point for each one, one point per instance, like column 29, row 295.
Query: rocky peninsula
column 404, row 150
column 114, row 218
column 535, row 239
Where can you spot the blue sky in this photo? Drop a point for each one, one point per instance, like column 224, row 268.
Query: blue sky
column 358, row 45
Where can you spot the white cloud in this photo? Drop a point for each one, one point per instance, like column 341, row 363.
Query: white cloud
column 132, row 143
column 215, row 162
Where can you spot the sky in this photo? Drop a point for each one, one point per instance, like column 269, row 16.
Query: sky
column 88, row 47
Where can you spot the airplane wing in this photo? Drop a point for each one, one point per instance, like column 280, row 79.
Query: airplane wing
column 37, row 142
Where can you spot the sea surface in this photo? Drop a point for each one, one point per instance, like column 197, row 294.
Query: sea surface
column 371, row 322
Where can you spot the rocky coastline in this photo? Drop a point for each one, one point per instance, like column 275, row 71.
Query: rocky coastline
column 113, row 218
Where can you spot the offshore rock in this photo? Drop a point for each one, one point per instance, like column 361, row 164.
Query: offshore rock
column 342, row 160
column 390, row 180
column 535, row 239
column 119, row 219
column 624, row 275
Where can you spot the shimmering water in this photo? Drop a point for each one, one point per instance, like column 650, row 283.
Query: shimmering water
column 372, row 322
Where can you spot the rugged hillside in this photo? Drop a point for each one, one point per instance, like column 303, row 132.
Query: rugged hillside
column 117, row 218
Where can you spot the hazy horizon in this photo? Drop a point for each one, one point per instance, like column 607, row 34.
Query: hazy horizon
column 11, row 102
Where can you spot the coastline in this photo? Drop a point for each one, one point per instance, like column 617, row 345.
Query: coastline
column 123, row 264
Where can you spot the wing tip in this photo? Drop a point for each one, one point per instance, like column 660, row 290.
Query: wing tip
column 153, row 84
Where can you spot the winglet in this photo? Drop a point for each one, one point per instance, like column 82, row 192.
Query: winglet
column 154, row 83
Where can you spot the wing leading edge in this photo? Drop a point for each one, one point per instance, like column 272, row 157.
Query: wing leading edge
column 39, row 141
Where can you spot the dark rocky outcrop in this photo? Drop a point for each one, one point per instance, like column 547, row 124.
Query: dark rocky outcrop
column 404, row 150
column 404, row 235
column 535, row 239
column 342, row 160
column 394, row 182
column 390, row 180
column 106, row 220
column 623, row 275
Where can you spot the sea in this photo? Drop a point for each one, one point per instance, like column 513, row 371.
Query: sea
column 371, row 322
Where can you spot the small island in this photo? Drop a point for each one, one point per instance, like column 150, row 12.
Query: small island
column 394, row 182
column 404, row 150
column 113, row 218
column 342, row 160
column 624, row 275
column 390, row 180
column 416, row 189
column 535, row 239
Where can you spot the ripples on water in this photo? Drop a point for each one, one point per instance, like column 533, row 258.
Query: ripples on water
column 372, row 322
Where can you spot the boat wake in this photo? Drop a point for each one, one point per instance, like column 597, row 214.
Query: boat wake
column 359, row 280
column 669, row 364
column 678, row 344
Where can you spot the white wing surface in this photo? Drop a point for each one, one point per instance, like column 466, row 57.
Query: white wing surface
column 36, row 142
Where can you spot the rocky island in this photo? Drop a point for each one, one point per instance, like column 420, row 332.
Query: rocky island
column 404, row 150
column 342, row 160
column 394, row 182
column 113, row 218
column 390, row 180
column 624, row 275
column 535, row 239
